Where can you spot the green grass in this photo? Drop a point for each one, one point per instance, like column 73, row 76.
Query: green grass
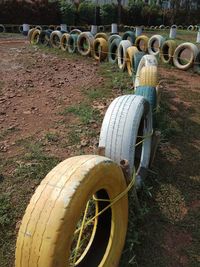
column 73, row 136
column 5, row 210
column 35, row 163
column 52, row 137
column 83, row 111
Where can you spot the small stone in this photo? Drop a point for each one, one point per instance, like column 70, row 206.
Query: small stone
column 28, row 112
column 84, row 143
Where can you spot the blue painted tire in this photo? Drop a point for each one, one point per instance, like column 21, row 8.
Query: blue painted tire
column 112, row 50
column 136, row 60
column 72, row 43
column 149, row 93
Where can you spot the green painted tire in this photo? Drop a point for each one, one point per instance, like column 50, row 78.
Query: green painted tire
column 112, row 50
column 129, row 35
column 72, row 43
column 149, row 93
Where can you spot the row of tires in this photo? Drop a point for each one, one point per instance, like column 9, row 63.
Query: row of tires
column 49, row 235
column 126, row 50
column 179, row 27
column 46, row 234
column 19, row 28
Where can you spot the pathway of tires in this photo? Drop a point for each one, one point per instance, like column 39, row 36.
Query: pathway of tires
column 168, row 233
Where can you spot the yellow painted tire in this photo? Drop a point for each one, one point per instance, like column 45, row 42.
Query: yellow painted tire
column 63, row 41
column 35, row 37
column 145, row 40
column 100, row 49
column 101, row 35
column 48, row 226
column 149, row 76
column 167, row 51
column 129, row 59
column 30, row 32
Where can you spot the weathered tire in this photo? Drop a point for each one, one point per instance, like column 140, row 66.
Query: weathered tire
column 2, row 28
column 130, row 59
column 144, row 39
column 151, row 48
column 38, row 27
column 35, row 37
column 176, row 59
column 64, row 42
column 100, row 49
column 147, row 60
column 101, row 35
column 75, row 31
column 123, row 120
column 44, row 37
column 190, row 28
column 129, row 35
column 149, row 93
column 52, row 27
column 112, row 38
column 20, row 28
column 48, row 226
column 149, row 76
column 30, row 32
column 162, row 27
column 112, row 50
column 180, row 27
column 72, row 43
column 85, row 43
column 55, row 39
column 121, row 53
column 167, row 51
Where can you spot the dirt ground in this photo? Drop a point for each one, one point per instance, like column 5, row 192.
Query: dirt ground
column 51, row 108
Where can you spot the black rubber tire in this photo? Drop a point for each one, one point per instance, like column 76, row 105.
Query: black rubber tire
column 44, row 38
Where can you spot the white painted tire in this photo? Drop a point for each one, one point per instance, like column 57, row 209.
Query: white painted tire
column 121, row 53
column 120, row 128
column 147, row 60
column 55, row 38
column 190, row 28
column 176, row 59
column 113, row 37
column 155, row 38
column 85, row 38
